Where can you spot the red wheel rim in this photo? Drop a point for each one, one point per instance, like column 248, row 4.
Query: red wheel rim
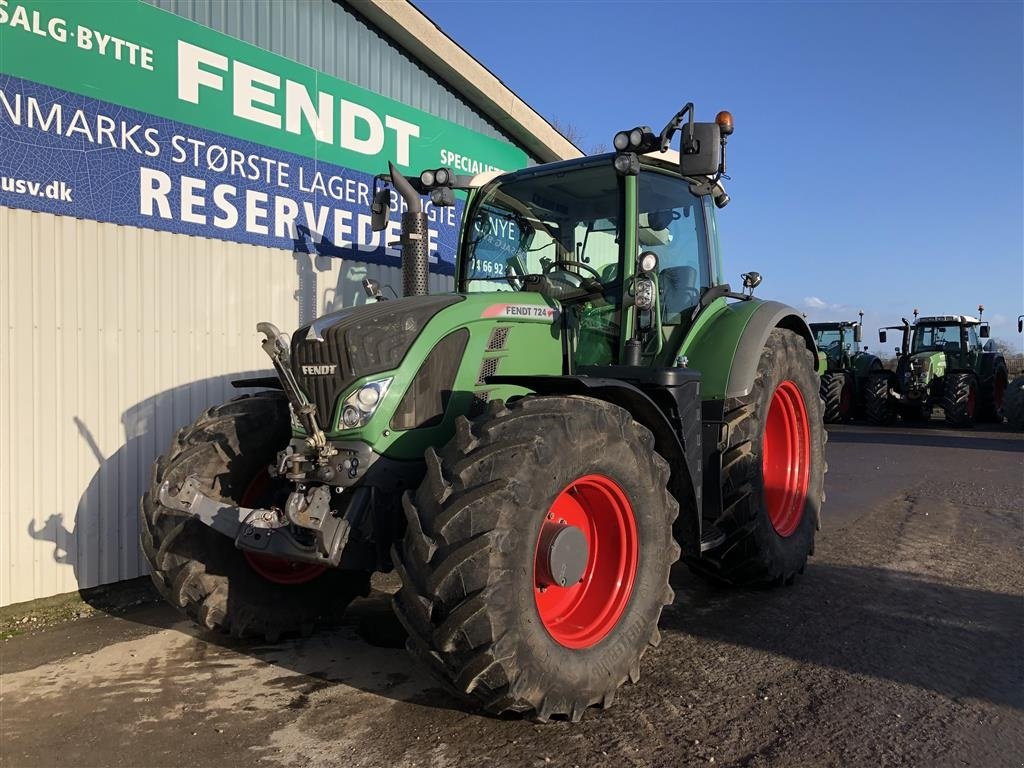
column 275, row 569
column 972, row 398
column 580, row 615
column 786, row 458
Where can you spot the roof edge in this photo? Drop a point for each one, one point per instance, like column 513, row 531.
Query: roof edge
column 423, row 39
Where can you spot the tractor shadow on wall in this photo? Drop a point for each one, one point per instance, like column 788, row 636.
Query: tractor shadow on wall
column 102, row 544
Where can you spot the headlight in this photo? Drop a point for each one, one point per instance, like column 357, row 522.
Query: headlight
column 362, row 404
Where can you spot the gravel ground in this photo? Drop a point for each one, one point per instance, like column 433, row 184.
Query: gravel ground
column 901, row 645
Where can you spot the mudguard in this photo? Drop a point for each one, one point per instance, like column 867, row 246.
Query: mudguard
column 987, row 366
column 864, row 363
column 726, row 347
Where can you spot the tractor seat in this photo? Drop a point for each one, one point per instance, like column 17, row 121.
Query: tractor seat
column 678, row 288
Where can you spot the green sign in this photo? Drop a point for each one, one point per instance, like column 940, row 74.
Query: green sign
column 138, row 56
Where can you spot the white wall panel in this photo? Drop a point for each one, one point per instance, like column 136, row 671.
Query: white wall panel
column 116, row 337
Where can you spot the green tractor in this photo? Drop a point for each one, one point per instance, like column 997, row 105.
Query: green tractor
column 844, row 368
column 941, row 361
column 531, row 452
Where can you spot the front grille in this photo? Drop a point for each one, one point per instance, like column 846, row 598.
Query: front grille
column 360, row 341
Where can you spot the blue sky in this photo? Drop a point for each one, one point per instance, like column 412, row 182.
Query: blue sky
column 878, row 158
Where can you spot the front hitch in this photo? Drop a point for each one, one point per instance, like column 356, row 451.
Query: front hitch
column 272, row 531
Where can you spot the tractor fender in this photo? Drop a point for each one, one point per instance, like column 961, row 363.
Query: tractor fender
column 987, row 365
column 768, row 316
column 865, row 363
column 680, row 448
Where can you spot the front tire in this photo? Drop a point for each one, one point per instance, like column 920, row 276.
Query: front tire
column 837, row 395
column 959, row 399
column 772, row 471
column 478, row 597
column 878, row 407
column 200, row 571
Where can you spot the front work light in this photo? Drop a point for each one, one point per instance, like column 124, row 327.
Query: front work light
column 648, row 262
column 640, row 139
column 438, row 177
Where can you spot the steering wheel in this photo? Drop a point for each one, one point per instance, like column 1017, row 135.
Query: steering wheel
column 547, row 269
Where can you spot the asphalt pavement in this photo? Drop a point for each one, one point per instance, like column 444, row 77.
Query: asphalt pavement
column 900, row 645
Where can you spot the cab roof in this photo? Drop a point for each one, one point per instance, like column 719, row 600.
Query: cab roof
column 833, row 326
column 948, row 319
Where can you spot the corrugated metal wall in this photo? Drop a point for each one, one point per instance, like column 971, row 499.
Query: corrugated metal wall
column 117, row 336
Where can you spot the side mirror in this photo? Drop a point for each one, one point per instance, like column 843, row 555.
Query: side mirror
column 1020, row 324
column 372, row 287
column 703, row 155
column 985, row 331
column 380, row 210
column 882, row 335
column 858, row 335
column 751, row 280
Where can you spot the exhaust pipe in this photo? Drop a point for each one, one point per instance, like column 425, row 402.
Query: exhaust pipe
column 415, row 238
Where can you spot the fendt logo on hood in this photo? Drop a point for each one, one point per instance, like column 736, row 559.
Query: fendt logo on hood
column 318, row 370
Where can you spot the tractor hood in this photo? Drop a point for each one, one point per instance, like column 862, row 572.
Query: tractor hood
column 925, row 366
column 422, row 354
column 335, row 350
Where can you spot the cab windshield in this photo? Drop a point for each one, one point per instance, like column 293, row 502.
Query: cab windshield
column 941, row 338
column 829, row 341
column 556, row 233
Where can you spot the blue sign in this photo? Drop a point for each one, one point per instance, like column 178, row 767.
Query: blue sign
column 74, row 156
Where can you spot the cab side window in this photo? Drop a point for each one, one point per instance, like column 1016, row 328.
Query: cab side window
column 672, row 225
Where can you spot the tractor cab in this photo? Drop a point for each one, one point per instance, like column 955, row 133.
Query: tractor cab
column 839, row 342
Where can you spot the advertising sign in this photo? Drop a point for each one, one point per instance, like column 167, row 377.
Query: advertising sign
column 121, row 112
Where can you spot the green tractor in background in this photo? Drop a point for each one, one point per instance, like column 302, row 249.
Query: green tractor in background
column 1013, row 404
column 941, row 361
column 531, row 452
column 844, row 368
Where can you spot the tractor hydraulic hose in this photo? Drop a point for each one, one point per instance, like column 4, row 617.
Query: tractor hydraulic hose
column 415, row 238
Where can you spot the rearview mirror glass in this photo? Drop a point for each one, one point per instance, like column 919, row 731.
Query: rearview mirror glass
column 705, row 156
column 881, row 337
column 985, row 330
column 857, row 334
column 380, row 210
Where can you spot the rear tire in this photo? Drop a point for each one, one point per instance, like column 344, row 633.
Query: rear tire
column 769, row 524
column 1013, row 403
column 959, row 399
column 992, row 395
column 837, row 395
column 470, row 598
column 878, row 408
column 200, row 571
